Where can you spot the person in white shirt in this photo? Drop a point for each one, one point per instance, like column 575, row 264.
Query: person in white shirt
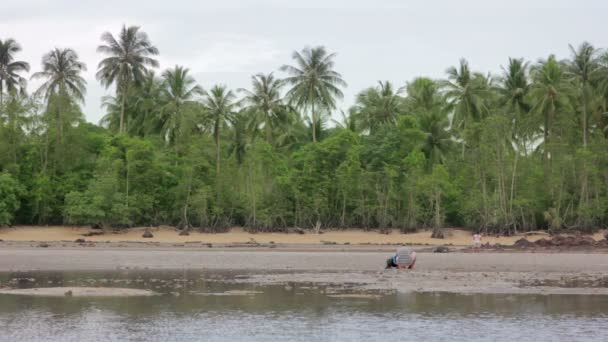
column 477, row 241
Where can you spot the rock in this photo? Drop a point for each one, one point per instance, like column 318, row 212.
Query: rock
column 296, row 230
column 96, row 226
column 68, row 293
column 147, row 234
column 43, row 245
column 441, row 249
column 523, row 243
column 80, row 241
column 92, row 233
column 437, row 234
column 184, row 232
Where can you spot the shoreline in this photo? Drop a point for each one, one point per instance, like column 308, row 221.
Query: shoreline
column 487, row 272
column 170, row 235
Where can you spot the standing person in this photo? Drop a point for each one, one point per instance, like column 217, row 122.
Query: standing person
column 477, row 241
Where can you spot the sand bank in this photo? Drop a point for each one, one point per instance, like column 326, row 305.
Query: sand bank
column 456, row 237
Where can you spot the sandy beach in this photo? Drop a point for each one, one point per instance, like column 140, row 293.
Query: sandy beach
column 456, row 237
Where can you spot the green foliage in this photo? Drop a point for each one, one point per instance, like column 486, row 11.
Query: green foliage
column 505, row 153
column 10, row 191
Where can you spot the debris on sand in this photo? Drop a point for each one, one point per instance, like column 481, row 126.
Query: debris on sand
column 43, row 245
column 184, row 232
column 561, row 241
column 524, row 243
column 92, row 234
column 441, row 249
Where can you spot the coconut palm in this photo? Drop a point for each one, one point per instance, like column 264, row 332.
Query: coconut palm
column 10, row 80
column 63, row 83
column 550, row 93
column 219, row 103
column 315, row 84
column 466, row 93
column 379, row 105
column 264, row 98
column 127, row 62
column 349, row 121
column 438, row 141
column 584, row 69
column 422, row 96
column 147, row 102
column 179, row 92
column 514, row 86
column 62, row 71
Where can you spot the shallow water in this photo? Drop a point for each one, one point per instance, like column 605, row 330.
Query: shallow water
column 185, row 311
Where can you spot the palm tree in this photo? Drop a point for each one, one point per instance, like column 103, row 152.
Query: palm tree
column 349, row 121
column 315, row 85
column 466, row 93
column 61, row 71
column 513, row 92
column 127, row 62
column 514, row 85
column 240, row 122
column 584, row 69
column 10, row 69
column 422, row 96
column 426, row 103
column 438, row 140
column 550, row 93
column 179, row 91
column 379, row 105
column 147, row 103
column 219, row 104
column 265, row 99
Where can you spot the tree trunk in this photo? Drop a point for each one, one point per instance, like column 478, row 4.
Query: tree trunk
column 343, row 209
column 127, row 186
column 122, row 128
column 267, row 127
column 438, row 209
column 217, row 146
column 186, row 203
column 584, row 117
column 314, row 123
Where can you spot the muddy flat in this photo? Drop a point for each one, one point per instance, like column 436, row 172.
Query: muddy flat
column 538, row 273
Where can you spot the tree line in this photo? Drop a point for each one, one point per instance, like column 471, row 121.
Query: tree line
column 516, row 151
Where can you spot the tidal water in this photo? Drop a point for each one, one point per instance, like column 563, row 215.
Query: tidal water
column 196, row 306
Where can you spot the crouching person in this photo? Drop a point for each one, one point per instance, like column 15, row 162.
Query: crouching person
column 404, row 258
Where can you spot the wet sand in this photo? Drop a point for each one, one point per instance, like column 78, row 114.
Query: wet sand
column 543, row 273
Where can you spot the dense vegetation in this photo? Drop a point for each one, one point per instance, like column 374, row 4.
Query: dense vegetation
column 521, row 150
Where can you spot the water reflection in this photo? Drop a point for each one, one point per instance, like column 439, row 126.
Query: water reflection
column 294, row 312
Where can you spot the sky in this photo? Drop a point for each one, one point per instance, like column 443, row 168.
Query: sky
column 226, row 42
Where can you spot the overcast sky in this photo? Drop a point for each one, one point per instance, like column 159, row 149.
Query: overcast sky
column 227, row 41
